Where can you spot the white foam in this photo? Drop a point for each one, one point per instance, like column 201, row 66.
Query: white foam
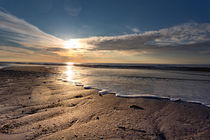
column 194, row 101
column 78, row 84
column 104, row 92
column 175, row 99
column 140, row 95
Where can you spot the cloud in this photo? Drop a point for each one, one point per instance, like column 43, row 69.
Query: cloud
column 56, row 49
column 22, row 32
column 12, row 49
column 135, row 30
column 17, row 34
column 19, row 54
column 186, row 36
column 72, row 7
column 188, row 33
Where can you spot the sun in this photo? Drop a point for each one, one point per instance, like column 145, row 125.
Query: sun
column 72, row 44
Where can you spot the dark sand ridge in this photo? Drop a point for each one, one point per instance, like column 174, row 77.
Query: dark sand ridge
column 35, row 104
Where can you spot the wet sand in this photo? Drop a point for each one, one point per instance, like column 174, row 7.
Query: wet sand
column 35, row 104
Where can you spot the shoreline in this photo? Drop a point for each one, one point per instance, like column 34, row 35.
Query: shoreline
column 147, row 96
column 36, row 105
column 47, row 69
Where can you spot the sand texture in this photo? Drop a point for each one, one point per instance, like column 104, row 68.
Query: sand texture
column 36, row 104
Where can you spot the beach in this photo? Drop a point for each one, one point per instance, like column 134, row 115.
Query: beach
column 35, row 104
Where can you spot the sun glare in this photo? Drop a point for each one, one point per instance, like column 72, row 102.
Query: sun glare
column 72, row 44
column 69, row 73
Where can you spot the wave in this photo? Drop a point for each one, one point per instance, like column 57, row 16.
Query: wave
column 176, row 67
column 146, row 96
column 180, row 67
column 162, row 78
column 161, row 98
column 33, row 63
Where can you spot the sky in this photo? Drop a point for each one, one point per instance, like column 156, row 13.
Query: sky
column 105, row 31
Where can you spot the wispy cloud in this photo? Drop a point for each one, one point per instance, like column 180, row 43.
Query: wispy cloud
column 72, row 7
column 135, row 30
column 186, row 41
column 17, row 34
column 26, row 34
column 188, row 35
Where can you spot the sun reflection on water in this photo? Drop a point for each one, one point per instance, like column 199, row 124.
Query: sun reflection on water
column 69, row 73
column 72, row 74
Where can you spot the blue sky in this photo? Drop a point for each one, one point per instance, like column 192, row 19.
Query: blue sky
column 114, row 29
column 85, row 18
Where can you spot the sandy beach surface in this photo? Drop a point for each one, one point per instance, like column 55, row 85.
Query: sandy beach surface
column 36, row 104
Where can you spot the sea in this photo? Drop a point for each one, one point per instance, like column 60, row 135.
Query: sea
column 185, row 82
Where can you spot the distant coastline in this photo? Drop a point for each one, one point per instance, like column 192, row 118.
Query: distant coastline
column 176, row 67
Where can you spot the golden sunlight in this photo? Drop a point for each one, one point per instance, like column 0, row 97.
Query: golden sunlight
column 72, row 44
column 69, row 73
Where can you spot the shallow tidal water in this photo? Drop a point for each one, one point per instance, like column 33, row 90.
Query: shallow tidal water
column 185, row 85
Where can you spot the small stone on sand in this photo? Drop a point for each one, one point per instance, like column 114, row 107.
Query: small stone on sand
column 136, row 107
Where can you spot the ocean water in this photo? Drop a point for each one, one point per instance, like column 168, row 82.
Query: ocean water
column 186, row 82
